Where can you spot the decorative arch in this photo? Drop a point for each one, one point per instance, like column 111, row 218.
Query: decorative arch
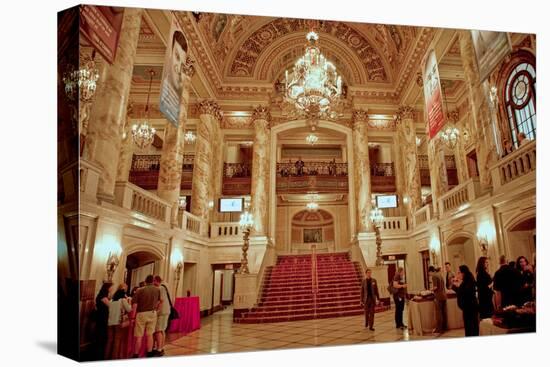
column 295, row 124
column 244, row 59
column 519, row 217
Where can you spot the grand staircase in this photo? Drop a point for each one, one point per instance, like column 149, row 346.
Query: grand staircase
column 303, row 287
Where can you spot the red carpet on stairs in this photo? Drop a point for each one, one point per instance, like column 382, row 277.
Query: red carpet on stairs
column 303, row 287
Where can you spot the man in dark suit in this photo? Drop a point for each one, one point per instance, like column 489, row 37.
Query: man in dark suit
column 440, row 293
column 369, row 298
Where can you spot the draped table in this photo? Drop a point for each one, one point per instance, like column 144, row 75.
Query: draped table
column 422, row 315
column 487, row 327
column 189, row 315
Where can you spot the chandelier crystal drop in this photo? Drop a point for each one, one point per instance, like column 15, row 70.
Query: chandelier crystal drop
column 313, row 84
column 81, row 84
column 376, row 216
column 189, row 137
column 143, row 134
column 450, row 135
column 312, row 205
column 246, row 221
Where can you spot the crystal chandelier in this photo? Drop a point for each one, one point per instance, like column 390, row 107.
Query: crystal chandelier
column 143, row 134
column 313, row 83
column 246, row 221
column 312, row 206
column 81, row 84
column 189, row 137
column 450, row 136
column 312, row 138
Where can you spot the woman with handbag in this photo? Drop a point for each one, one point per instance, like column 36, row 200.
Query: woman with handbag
column 117, row 331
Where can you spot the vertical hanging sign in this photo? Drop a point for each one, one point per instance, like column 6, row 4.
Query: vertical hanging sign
column 172, row 78
column 432, row 95
column 101, row 26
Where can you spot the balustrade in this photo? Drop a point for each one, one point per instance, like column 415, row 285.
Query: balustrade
column 144, row 171
column 459, row 196
column 134, row 198
column 423, row 215
column 393, row 224
column 515, row 165
column 193, row 224
column 225, row 230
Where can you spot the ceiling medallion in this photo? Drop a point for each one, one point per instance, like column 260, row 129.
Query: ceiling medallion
column 313, row 85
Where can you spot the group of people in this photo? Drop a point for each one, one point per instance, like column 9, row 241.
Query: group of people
column 147, row 310
column 299, row 168
column 478, row 296
column 238, row 170
column 507, row 146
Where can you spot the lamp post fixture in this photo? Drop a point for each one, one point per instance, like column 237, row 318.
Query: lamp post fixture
column 245, row 223
column 179, row 268
column 376, row 218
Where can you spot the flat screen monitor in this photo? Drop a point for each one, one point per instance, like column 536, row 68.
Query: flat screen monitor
column 386, row 201
column 231, row 205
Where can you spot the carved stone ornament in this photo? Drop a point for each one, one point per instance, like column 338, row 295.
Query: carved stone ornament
column 210, row 107
column 360, row 116
column 188, row 67
column 261, row 113
column 405, row 112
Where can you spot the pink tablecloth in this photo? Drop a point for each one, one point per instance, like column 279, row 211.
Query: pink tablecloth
column 190, row 315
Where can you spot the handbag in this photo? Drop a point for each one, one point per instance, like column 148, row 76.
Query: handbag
column 124, row 318
column 173, row 312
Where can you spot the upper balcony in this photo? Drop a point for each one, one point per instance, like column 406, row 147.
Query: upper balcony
column 452, row 175
column 144, row 171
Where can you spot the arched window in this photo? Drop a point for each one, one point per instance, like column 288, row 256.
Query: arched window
column 519, row 100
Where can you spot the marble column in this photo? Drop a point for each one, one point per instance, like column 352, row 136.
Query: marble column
column 361, row 169
column 407, row 137
column 438, row 170
column 171, row 159
column 460, row 158
column 108, row 113
column 260, row 170
column 483, row 136
column 210, row 115
column 126, row 149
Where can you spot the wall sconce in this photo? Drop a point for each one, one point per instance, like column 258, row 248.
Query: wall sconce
column 211, row 204
column 177, row 259
column 483, row 245
column 182, row 202
column 112, row 264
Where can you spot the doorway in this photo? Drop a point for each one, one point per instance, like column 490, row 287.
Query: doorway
column 425, row 256
column 471, row 159
column 139, row 265
column 189, row 279
column 460, row 251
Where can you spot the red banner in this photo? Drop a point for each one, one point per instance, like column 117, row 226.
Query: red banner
column 432, row 96
column 101, row 27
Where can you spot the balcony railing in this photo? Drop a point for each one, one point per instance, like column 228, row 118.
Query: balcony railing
column 457, row 198
column 515, row 165
column 145, row 171
column 318, row 183
column 134, row 198
column 237, row 178
column 194, row 224
column 225, row 230
column 423, row 215
column 393, row 224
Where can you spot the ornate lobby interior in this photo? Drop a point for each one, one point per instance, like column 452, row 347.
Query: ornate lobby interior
column 321, row 192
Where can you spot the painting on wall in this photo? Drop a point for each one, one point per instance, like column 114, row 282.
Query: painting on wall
column 313, row 235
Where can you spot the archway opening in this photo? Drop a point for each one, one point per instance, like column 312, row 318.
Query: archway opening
column 460, row 251
column 522, row 239
column 139, row 264
column 312, row 228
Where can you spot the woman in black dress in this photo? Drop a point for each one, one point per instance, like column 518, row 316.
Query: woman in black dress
column 101, row 319
column 465, row 287
column 484, row 291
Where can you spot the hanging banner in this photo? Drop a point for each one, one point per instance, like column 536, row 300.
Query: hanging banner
column 172, row 81
column 432, row 95
column 101, row 27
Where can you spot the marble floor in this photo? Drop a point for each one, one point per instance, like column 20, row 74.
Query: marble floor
column 218, row 334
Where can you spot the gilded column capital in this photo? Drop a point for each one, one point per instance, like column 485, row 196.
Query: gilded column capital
column 188, row 67
column 359, row 117
column 405, row 112
column 261, row 113
column 210, row 107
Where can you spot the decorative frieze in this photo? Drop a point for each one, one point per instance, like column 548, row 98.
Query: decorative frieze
column 211, row 107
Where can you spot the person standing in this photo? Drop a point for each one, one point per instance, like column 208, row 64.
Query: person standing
column 119, row 308
column 299, row 166
column 102, row 301
column 369, row 298
column 449, row 275
column 145, row 305
column 484, row 291
column 440, row 293
column 399, row 295
column 527, row 280
column 465, row 288
column 504, row 285
column 162, row 317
